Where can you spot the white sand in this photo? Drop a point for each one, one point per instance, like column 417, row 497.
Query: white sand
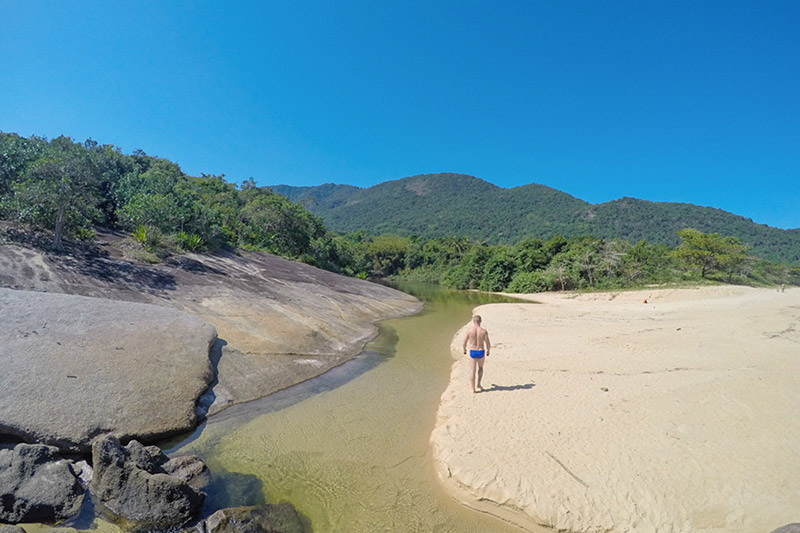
column 608, row 414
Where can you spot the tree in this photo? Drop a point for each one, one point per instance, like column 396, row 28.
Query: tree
column 387, row 253
column 710, row 251
column 57, row 191
column 497, row 273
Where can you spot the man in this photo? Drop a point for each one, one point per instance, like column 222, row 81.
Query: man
column 478, row 340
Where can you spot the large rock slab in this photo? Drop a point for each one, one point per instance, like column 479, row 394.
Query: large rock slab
column 131, row 482
column 280, row 322
column 73, row 367
column 37, row 485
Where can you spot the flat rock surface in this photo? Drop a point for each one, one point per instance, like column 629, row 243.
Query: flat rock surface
column 606, row 413
column 73, row 367
column 279, row 322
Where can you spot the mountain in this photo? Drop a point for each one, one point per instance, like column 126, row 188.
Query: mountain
column 436, row 205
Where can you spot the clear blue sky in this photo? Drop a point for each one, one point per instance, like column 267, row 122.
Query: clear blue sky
column 662, row 100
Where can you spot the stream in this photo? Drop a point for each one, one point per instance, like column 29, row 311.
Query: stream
column 349, row 449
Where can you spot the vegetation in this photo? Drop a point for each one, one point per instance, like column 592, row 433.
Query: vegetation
column 68, row 189
column 434, row 205
column 535, row 265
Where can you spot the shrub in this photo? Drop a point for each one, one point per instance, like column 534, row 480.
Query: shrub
column 536, row 281
column 189, row 241
column 85, row 234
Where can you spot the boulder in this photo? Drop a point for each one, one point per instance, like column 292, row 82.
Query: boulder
column 131, row 483
column 189, row 468
column 279, row 518
column 37, row 485
column 73, row 367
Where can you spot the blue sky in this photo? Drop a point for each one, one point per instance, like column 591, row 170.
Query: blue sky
column 667, row 101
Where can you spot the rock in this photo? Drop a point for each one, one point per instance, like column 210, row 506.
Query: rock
column 11, row 529
column 37, row 485
column 189, row 468
column 84, row 472
column 131, row 483
column 74, row 367
column 282, row 322
column 280, row 518
column 788, row 528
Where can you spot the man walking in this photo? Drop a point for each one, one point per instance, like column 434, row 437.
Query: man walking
column 479, row 347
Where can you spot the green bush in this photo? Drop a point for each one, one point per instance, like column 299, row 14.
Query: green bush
column 497, row 273
column 140, row 235
column 85, row 234
column 189, row 241
column 536, row 281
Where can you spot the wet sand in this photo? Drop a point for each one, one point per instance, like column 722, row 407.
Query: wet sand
column 605, row 413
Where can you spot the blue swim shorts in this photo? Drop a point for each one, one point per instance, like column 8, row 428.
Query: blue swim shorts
column 477, row 354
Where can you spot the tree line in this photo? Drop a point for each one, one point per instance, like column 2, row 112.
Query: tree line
column 534, row 265
column 68, row 188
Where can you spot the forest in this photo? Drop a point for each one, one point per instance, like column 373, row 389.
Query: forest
column 66, row 189
column 465, row 206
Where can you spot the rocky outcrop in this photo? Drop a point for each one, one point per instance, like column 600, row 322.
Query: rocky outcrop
column 132, row 483
column 279, row 518
column 280, row 322
column 74, row 367
column 37, row 485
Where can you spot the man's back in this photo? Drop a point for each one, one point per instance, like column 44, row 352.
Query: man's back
column 477, row 337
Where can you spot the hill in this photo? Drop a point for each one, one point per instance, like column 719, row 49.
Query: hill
column 436, row 205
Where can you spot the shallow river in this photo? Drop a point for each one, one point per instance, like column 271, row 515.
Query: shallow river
column 350, row 449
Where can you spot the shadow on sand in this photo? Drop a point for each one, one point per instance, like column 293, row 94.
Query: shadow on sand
column 496, row 387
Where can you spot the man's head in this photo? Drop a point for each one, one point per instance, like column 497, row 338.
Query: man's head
column 476, row 320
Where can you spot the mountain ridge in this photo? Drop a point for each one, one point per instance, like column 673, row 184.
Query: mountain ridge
column 450, row 204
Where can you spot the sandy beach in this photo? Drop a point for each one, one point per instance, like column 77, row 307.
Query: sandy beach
column 606, row 413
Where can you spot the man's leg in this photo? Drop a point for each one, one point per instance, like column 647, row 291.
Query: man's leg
column 480, row 371
column 472, row 374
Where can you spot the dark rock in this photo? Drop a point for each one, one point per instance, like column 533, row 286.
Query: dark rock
column 280, row 518
column 789, row 528
column 131, row 483
column 37, row 485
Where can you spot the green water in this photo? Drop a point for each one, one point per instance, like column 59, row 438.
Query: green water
column 350, row 449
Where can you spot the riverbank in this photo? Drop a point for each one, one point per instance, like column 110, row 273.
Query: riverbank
column 668, row 410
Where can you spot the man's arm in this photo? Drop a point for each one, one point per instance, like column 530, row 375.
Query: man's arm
column 488, row 344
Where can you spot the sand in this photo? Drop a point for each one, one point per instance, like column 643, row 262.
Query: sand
column 604, row 413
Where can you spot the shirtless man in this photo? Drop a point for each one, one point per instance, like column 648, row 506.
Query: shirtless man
column 479, row 347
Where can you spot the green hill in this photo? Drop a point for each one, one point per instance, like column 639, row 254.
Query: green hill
column 435, row 205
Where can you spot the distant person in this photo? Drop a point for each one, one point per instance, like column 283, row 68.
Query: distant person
column 479, row 346
column 783, row 287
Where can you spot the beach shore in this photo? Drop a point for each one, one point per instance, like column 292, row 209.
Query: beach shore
column 653, row 410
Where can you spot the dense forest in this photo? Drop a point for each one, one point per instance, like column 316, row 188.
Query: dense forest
column 436, row 205
column 67, row 189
